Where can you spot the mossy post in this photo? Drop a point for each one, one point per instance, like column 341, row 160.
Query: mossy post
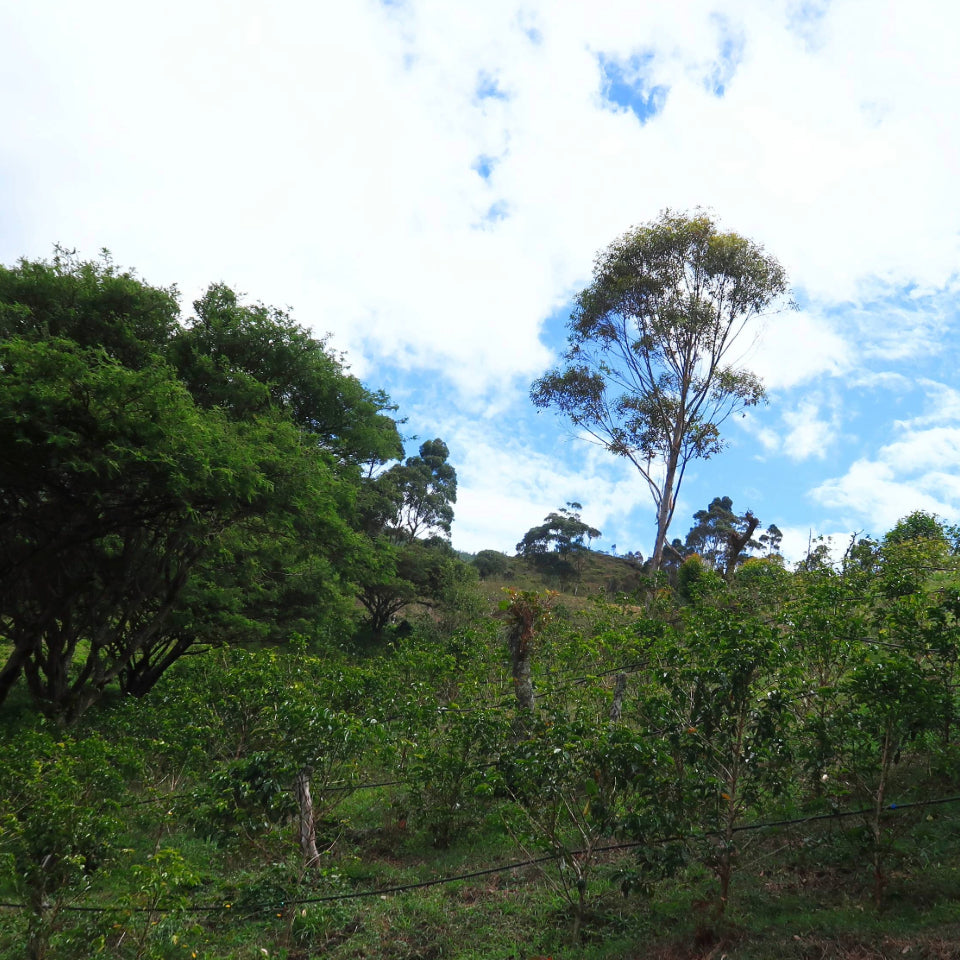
column 526, row 612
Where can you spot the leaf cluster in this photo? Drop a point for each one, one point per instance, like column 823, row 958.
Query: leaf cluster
column 172, row 484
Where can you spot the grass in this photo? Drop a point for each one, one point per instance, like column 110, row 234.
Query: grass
column 600, row 573
column 795, row 897
column 791, row 908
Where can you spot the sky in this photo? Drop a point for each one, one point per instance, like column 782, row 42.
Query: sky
column 429, row 181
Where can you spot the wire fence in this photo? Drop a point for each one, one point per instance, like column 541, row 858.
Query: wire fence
column 248, row 910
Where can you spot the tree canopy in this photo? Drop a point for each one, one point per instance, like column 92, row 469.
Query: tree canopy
column 648, row 372
column 409, row 511
column 919, row 525
column 721, row 537
column 424, row 490
column 169, row 485
column 560, row 542
column 562, row 531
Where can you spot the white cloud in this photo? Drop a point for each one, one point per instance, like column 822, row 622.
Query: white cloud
column 804, row 432
column 797, row 346
column 430, row 181
column 798, row 542
column 808, row 434
column 898, row 325
column 881, row 380
column 324, row 155
column 505, row 487
column 943, row 405
column 768, row 437
column 923, row 450
column 907, row 475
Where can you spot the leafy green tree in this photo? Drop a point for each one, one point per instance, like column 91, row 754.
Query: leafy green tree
column 491, row 563
column 93, row 304
column 424, row 490
column 915, row 604
column 247, row 359
column 158, row 902
column 648, row 372
column 408, row 511
column 918, row 525
column 718, row 531
column 116, row 484
column 770, row 540
column 167, row 486
column 273, row 580
column 573, row 780
column 722, row 537
column 722, row 708
column 59, row 825
column 289, row 569
column 401, row 574
column 452, row 774
column 695, row 578
column 824, row 619
column 560, row 542
column 889, row 699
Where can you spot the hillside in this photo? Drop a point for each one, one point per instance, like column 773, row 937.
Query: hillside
column 713, row 776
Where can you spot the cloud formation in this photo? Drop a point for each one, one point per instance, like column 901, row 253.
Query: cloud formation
column 398, row 170
column 431, row 181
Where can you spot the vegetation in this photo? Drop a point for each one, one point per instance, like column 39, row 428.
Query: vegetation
column 775, row 774
column 175, row 486
column 647, row 371
column 721, row 538
column 560, row 544
column 416, row 563
column 215, row 744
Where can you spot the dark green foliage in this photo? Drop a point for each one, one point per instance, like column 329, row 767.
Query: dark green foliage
column 722, row 538
column 424, row 489
column 919, row 525
column 453, row 773
column 115, row 486
column 563, row 532
column 724, row 711
column 175, row 489
column 170, row 487
column 777, row 697
column 408, row 511
column 576, row 783
column 93, row 305
column 695, row 579
column 59, row 823
column 558, row 545
column 251, row 359
column 491, row 563
column 413, row 571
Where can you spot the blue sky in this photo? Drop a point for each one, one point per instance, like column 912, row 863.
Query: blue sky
column 430, row 181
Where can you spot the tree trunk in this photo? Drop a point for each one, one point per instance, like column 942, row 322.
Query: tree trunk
column 728, row 851
column 876, row 821
column 306, row 829
column 736, row 543
column 13, row 668
column 616, row 708
column 665, row 511
column 523, row 673
column 142, row 675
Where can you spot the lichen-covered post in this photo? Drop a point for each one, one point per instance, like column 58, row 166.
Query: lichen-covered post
column 526, row 613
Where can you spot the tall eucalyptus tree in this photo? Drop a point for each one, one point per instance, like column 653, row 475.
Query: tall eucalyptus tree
column 649, row 372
